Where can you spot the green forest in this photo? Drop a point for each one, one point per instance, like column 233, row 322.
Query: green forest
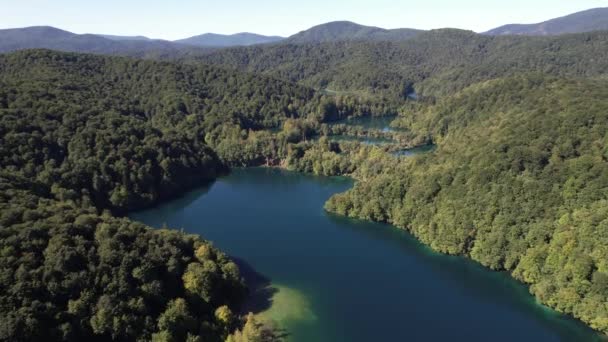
column 518, row 181
column 87, row 137
column 435, row 63
column 69, row 273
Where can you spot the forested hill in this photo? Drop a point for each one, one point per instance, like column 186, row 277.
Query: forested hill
column 346, row 30
column 224, row 40
column 83, row 137
column 519, row 182
column 81, row 134
column 594, row 19
column 438, row 62
column 344, row 57
column 69, row 274
column 46, row 37
column 126, row 132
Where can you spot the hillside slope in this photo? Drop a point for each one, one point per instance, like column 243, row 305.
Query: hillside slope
column 87, row 110
column 45, row 37
column 222, row 40
column 595, row 19
column 435, row 63
column 82, row 137
column 346, row 30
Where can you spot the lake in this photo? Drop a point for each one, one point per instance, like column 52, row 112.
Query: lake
column 331, row 278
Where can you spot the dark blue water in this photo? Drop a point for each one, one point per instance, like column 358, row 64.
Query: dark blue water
column 344, row 280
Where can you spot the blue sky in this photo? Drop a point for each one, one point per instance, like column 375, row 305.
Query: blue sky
column 183, row 18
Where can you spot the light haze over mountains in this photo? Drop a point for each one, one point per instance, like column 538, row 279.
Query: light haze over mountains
column 54, row 38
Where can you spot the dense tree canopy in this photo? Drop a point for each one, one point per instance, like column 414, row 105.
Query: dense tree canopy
column 67, row 273
column 125, row 132
column 434, row 63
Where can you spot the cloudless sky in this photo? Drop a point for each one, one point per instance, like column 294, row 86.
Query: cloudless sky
column 174, row 19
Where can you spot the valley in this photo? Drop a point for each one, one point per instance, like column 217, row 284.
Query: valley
column 347, row 182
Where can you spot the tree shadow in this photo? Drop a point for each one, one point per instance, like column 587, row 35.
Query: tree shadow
column 260, row 288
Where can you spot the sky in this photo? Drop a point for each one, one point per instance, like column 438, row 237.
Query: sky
column 175, row 19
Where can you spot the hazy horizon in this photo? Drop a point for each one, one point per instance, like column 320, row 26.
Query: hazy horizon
column 182, row 19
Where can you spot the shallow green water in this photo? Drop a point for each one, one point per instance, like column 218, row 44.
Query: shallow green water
column 415, row 150
column 370, row 122
column 335, row 279
column 367, row 122
column 363, row 140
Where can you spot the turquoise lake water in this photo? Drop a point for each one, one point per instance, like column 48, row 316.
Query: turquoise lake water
column 336, row 279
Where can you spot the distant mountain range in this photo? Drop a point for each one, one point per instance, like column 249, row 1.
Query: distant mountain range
column 47, row 37
column 120, row 38
column 328, row 32
column 346, row 30
column 222, row 40
column 140, row 46
column 591, row 20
